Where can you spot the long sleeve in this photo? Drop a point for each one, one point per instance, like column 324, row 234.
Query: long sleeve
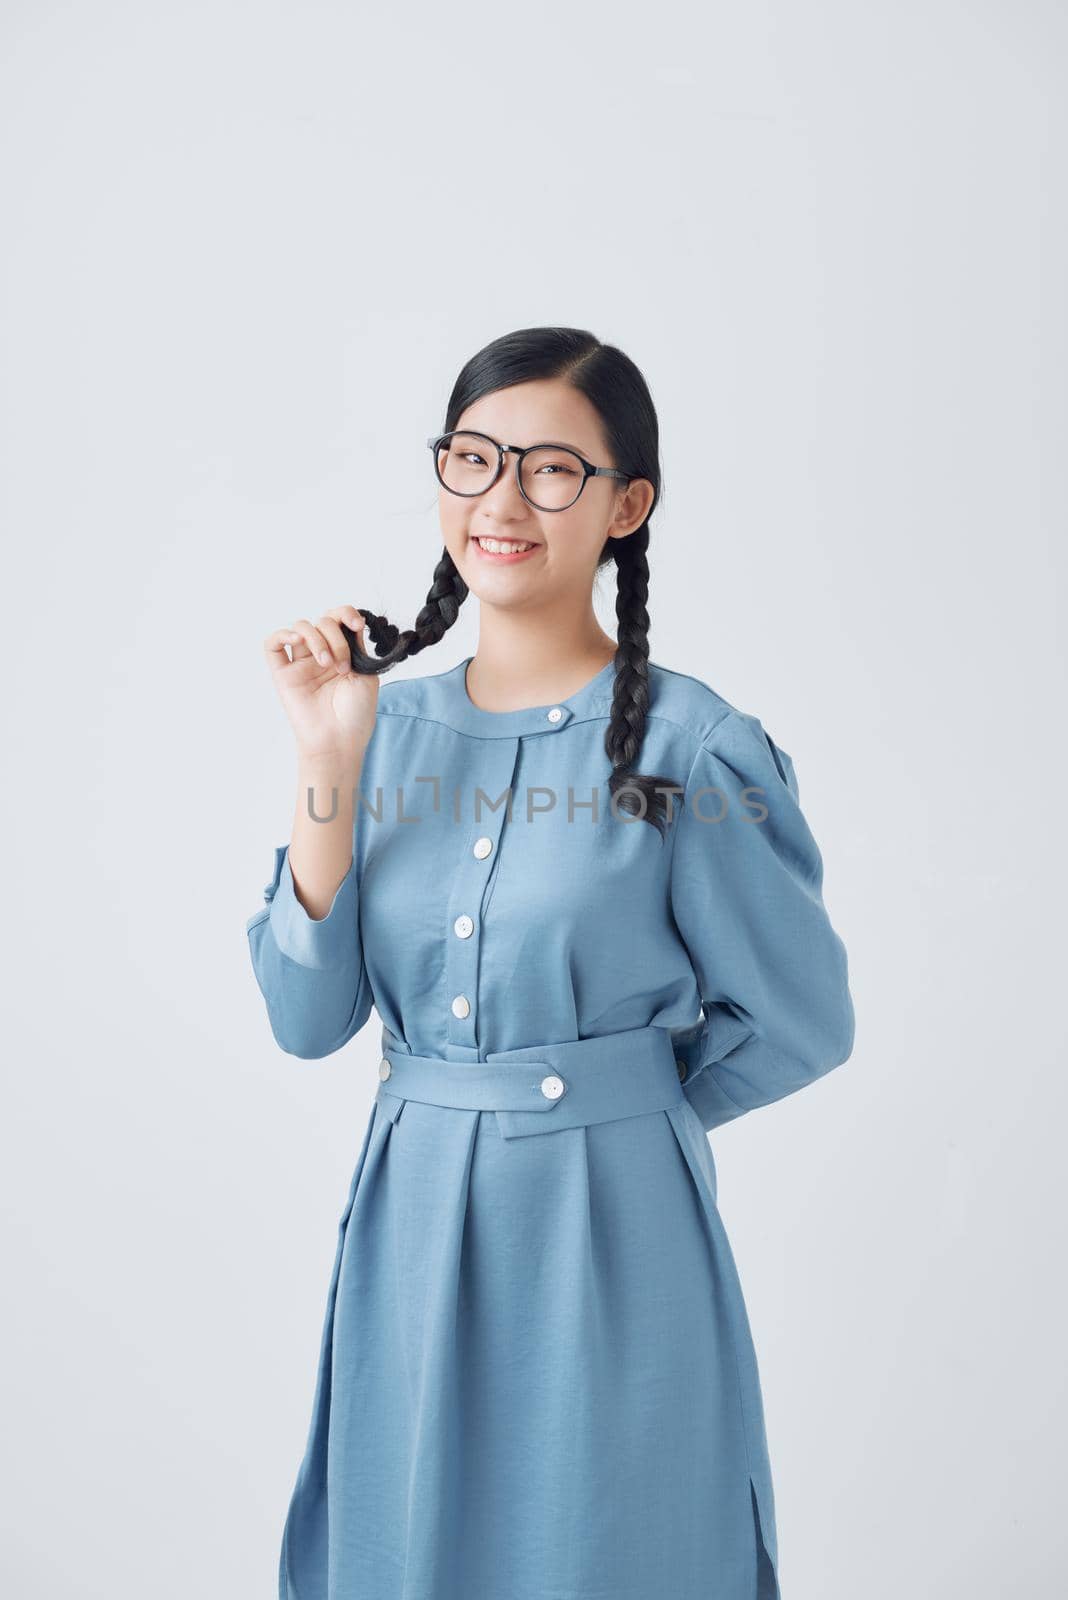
column 310, row 972
column 746, row 891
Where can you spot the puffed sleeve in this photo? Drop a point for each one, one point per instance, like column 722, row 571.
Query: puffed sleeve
column 747, row 898
column 310, row 971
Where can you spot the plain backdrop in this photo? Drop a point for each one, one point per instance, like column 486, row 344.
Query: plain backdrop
column 246, row 249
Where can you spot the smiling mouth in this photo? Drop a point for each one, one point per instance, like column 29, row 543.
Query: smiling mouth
column 504, row 547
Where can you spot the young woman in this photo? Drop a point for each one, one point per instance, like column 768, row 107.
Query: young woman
column 578, row 889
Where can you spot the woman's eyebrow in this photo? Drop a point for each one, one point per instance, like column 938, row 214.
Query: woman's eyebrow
column 557, row 444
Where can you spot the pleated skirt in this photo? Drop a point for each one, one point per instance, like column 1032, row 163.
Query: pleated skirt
column 536, row 1378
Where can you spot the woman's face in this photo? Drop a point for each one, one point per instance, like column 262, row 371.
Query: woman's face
column 565, row 544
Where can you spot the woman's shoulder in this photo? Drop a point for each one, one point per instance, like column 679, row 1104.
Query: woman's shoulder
column 721, row 728
column 690, row 702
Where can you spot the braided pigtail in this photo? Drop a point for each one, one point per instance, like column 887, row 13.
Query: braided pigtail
column 638, row 792
column 442, row 607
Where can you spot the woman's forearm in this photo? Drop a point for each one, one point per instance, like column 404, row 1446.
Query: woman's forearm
column 320, row 848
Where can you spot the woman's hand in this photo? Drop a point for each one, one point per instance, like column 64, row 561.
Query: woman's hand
column 331, row 709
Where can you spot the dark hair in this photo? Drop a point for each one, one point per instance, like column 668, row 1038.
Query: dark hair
column 619, row 394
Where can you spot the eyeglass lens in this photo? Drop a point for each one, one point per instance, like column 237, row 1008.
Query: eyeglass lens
column 551, row 476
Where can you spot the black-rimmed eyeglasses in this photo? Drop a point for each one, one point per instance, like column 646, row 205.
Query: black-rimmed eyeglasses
column 550, row 476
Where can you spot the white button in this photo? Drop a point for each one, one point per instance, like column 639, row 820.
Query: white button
column 483, row 847
column 681, row 1065
column 552, row 1087
column 461, row 1006
column 384, row 1068
column 555, row 714
column 464, row 927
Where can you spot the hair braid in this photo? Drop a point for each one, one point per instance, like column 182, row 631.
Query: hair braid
column 640, row 794
column 440, row 610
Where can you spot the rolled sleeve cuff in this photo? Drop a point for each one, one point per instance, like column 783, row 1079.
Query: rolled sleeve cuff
column 697, row 1049
column 328, row 943
column 712, row 1105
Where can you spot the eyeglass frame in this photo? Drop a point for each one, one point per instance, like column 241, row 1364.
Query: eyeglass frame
column 588, row 468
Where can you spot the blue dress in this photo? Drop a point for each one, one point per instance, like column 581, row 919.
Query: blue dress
column 537, row 1379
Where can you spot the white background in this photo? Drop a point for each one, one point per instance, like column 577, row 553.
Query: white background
column 246, row 250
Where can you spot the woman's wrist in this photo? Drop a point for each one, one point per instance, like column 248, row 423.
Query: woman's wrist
column 332, row 767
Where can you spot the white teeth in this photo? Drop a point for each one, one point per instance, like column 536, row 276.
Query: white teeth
column 498, row 547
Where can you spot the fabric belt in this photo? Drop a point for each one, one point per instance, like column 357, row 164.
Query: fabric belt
column 543, row 1088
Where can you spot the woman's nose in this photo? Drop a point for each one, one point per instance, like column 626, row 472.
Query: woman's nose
column 505, row 491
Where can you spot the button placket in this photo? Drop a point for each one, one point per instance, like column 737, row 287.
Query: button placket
column 493, row 774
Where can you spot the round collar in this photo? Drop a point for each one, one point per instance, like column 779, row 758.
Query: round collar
column 592, row 698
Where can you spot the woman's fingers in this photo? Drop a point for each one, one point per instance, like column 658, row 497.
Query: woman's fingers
column 349, row 615
column 310, row 642
column 274, row 646
column 324, row 641
column 330, row 629
column 352, row 619
column 357, row 622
